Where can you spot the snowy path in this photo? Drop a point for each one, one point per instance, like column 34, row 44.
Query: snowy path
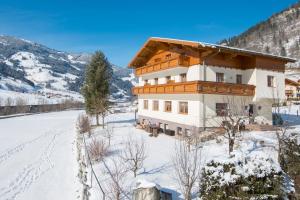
column 38, row 157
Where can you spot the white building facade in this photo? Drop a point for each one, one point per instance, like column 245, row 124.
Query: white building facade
column 187, row 85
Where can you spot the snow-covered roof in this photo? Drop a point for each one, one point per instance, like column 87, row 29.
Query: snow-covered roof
column 204, row 45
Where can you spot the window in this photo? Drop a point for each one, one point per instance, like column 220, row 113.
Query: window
column 168, row 79
column 156, row 81
column 168, row 56
column 183, row 77
column 157, row 60
column 270, row 81
column 146, row 82
column 220, row 77
column 146, row 104
column 168, row 106
column 155, row 106
column 239, row 79
column 183, row 107
column 221, row 109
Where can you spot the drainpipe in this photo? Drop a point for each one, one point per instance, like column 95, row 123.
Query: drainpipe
column 205, row 79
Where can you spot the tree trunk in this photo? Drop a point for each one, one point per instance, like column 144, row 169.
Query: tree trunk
column 102, row 121
column 231, row 144
column 188, row 195
column 97, row 119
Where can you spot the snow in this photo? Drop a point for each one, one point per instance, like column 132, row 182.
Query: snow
column 47, row 96
column 146, row 184
column 131, row 79
column 38, row 157
column 40, row 73
column 258, row 148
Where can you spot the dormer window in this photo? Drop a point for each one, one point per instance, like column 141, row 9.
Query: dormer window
column 157, row 60
column 168, row 56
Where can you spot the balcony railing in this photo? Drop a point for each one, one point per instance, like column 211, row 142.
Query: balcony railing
column 172, row 62
column 204, row 87
column 289, row 91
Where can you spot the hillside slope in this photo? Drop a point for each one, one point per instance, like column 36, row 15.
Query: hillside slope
column 279, row 35
column 29, row 67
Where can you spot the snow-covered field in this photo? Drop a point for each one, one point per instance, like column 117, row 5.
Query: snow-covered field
column 158, row 166
column 47, row 96
column 38, row 157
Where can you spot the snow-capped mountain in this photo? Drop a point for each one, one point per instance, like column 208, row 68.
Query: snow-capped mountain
column 30, row 67
column 279, row 35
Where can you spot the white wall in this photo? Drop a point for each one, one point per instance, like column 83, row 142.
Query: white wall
column 195, row 115
column 193, row 108
column 263, row 91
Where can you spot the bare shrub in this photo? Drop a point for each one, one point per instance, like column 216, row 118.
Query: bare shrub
column 134, row 155
column 21, row 105
column 187, row 165
column 116, row 184
column 83, row 124
column 97, row 149
column 9, row 101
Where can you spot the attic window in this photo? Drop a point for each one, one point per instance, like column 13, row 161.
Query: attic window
column 168, row 56
column 157, row 60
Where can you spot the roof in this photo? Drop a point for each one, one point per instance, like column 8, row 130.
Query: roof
column 291, row 82
column 203, row 45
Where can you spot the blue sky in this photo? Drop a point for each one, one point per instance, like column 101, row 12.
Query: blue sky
column 120, row 27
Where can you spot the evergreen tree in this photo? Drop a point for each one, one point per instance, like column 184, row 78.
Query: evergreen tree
column 96, row 86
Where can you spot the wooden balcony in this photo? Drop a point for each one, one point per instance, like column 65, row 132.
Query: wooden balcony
column 289, row 92
column 192, row 87
column 172, row 62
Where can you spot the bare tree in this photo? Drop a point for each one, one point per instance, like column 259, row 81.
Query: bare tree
column 116, row 184
column 281, row 127
column 232, row 115
column 83, row 124
column 192, row 138
column 134, row 155
column 187, row 165
column 109, row 133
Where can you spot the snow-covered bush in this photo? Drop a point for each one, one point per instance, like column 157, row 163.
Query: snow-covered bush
column 242, row 178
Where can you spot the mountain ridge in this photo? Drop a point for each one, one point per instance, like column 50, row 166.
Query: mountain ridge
column 278, row 35
column 30, row 67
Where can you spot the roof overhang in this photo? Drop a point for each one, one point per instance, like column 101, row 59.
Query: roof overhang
column 152, row 42
column 291, row 82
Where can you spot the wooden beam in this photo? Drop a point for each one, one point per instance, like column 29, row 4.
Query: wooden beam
column 206, row 53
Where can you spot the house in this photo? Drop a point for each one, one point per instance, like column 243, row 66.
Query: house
column 292, row 89
column 184, row 85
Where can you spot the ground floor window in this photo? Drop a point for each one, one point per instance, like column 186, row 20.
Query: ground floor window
column 183, row 107
column 221, row 109
column 155, row 105
column 146, row 104
column 168, row 106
